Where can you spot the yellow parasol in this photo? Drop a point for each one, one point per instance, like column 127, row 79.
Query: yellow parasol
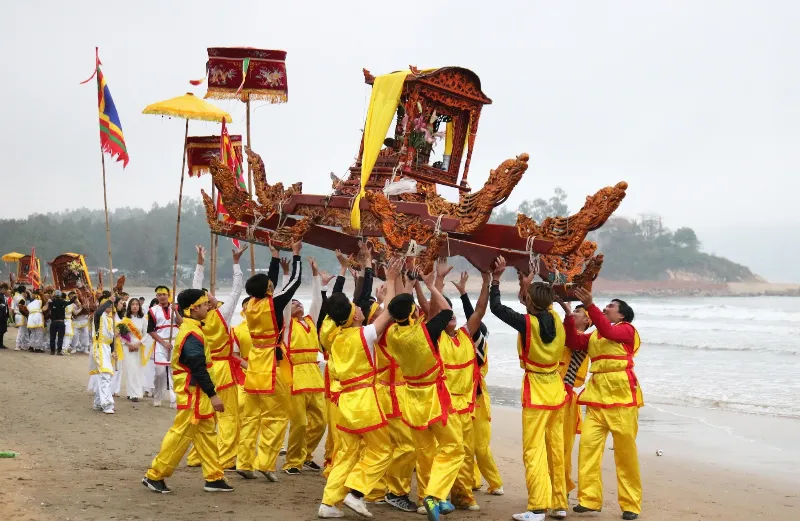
column 12, row 257
column 186, row 107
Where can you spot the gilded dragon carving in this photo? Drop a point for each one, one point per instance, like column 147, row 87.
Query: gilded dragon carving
column 572, row 264
column 270, row 197
column 474, row 209
column 567, row 233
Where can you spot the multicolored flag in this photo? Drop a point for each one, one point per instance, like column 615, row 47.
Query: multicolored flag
column 227, row 156
column 112, row 141
column 33, row 270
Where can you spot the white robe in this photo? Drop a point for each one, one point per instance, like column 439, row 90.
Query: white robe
column 132, row 370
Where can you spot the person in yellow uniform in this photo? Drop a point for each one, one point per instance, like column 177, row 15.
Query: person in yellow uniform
column 461, row 378
column 612, row 397
column 267, row 397
column 439, row 441
column 301, row 341
column 224, row 364
column 573, row 368
column 484, row 460
column 363, row 446
column 242, row 343
column 540, row 346
column 196, row 398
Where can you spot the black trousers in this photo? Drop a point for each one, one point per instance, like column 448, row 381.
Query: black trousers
column 57, row 329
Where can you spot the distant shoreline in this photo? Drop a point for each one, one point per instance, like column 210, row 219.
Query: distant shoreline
column 683, row 288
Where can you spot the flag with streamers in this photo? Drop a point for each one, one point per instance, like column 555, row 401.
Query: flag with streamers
column 33, row 271
column 112, row 141
column 228, row 157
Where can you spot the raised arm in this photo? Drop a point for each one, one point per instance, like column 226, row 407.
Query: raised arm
column 282, row 298
column 500, row 310
column 474, row 321
column 316, row 291
column 199, row 271
column 437, row 299
column 274, row 265
column 229, row 307
column 422, row 300
column 344, row 260
column 623, row 333
column 442, row 269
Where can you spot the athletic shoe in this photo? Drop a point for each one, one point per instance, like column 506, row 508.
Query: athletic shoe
column 497, row 491
column 528, row 516
column 219, row 485
column 470, row 505
column 59, row 353
column 246, row 474
column 108, row 411
column 446, row 507
column 432, row 508
column 282, row 452
column 271, row 477
column 52, row 353
column 629, row 515
column 310, row 465
column 232, row 469
column 156, row 403
column 400, row 502
column 97, row 408
column 293, row 471
column 559, row 513
column 357, row 505
column 156, row 486
column 329, row 512
column 580, row 509
column 421, row 510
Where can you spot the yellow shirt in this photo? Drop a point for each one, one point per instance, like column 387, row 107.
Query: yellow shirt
column 543, row 387
column 302, row 351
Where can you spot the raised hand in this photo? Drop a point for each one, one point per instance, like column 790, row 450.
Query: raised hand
column 564, row 305
column 201, row 254
column 380, row 295
column 461, row 285
column 365, row 253
column 274, row 250
column 297, row 246
column 429, row 278
column 285, row 265
column 486, row 276
column 344, row 260
column 584, row 296
column 326, row 278
column 499, row 267
column 237, row 254
column 393, row 269
column 442, row 269
column 314, row 268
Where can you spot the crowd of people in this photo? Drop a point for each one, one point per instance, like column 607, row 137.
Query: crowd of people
column 396, row 383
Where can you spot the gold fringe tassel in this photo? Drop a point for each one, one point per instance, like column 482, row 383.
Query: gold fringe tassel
column 272, row 96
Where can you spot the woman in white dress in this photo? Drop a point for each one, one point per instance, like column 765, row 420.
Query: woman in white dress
column 116, row 381
column 100, row 363
column 36, row 323
column 69, row 331
column 147, row 355
column 132, row 369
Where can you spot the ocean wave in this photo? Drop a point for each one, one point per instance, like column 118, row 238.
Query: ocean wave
column 783, row 350
column 731, row 405
column 722, row 312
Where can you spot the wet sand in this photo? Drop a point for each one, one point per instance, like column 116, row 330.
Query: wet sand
column 77, row 464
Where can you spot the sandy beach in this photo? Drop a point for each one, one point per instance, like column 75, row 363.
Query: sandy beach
column 76, row 464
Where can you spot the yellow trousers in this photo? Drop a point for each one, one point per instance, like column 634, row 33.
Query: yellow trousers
column 572, row 420
column 264, row 421
column 485, row 464
column 461, row 494
column 176, row 442
column 440, row 455
column 543, row 456
column 306, row 427
column 227, row 430
column 623, row 423
column 357, row 467
column 330, row 440
column 397, row 479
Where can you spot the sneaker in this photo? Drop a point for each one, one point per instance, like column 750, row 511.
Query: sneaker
column 59, row 353
column 446, row 507
column 528, row 516
column 246, row 474
column 108, row 411
column 310, row 465
column 156, row 403
column 432, row 508
column 580, row 509
column 282, row 452
column 232, row 469
column 421, row 510
column 52, row 353
column 156, row 486
column 357, row 505
column 293, row 471
column 329, row 512
column 219, row 485
column 173, row 405
column 497, row 491
column 629, row 515
column 270, row 475
column 463, row 504
column 400, row 502
column 97, row 408
column 135, row 400
column 558, row 513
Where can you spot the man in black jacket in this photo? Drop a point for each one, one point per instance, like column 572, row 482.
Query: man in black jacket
column 57, row 307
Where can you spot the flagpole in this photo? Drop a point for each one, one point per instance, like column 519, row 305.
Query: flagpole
column 212, row 249
column 178, row 224
column 105, row 206
column 250, row 189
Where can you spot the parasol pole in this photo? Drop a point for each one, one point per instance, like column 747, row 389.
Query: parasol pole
column 105, row 205
column 178, row 230
column 250, row 188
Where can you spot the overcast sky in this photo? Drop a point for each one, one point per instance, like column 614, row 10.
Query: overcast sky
column 695, row 104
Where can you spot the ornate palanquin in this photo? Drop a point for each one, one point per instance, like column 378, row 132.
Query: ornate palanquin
column 200, row 150
column 24, row 268
column 421, row 225
column 70, row 272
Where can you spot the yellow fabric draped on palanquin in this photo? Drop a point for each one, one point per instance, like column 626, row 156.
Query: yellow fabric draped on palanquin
column 382, row 106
